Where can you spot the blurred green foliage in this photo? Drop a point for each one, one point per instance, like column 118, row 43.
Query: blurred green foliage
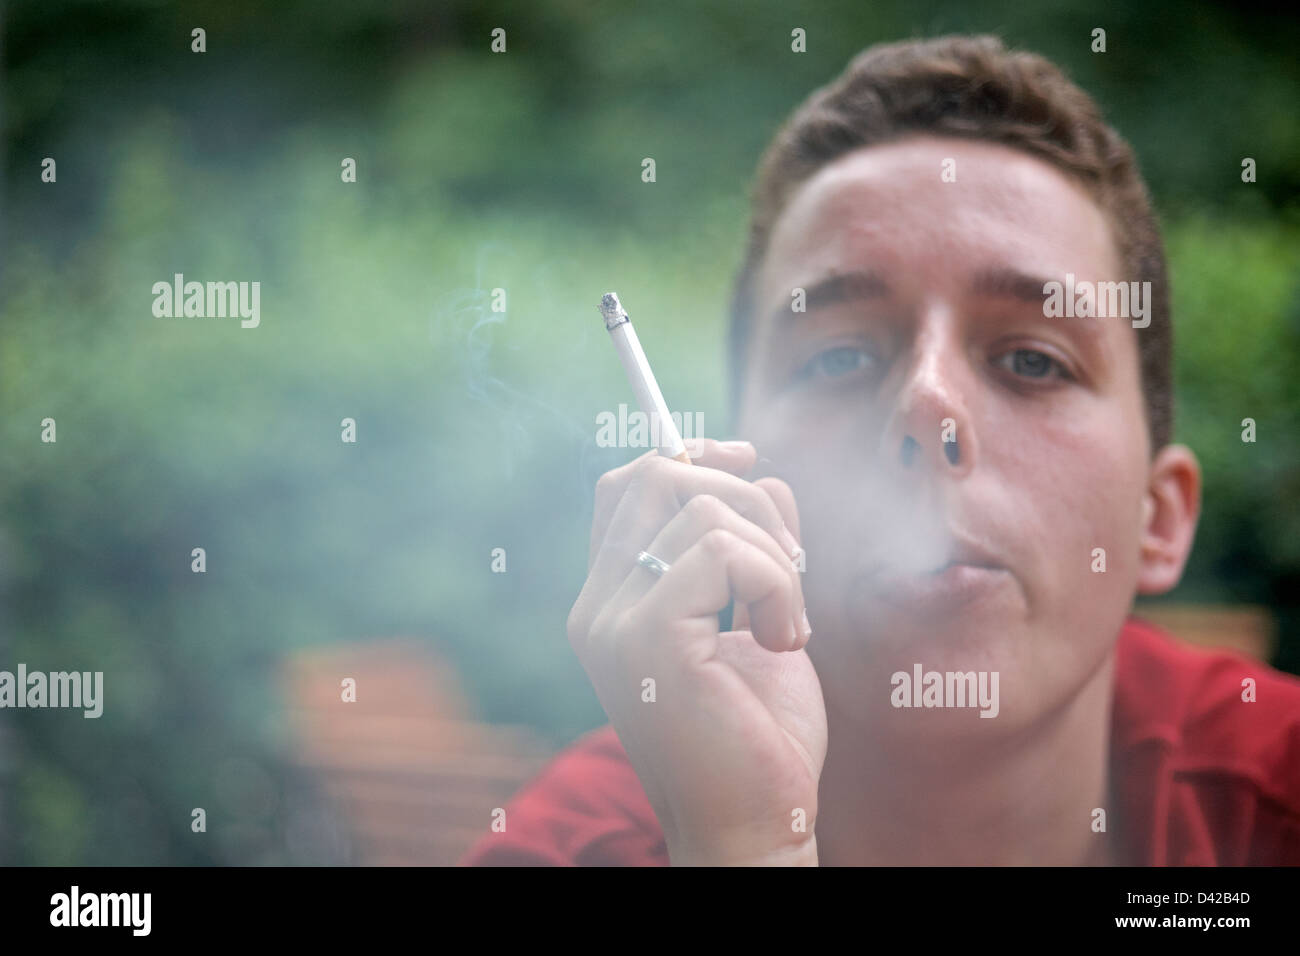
column 476, row 429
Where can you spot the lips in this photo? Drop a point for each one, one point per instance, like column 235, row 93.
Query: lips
column 965, row 552
column 953, row 587
column 960, row 551
column 971, row 574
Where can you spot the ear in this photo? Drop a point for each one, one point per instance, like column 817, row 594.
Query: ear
column 1170, row 511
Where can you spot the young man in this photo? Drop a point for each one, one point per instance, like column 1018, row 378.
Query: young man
column 981, row 482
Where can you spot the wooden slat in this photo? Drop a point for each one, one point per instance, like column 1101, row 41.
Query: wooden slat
column 411, row 776
column 1248, row 629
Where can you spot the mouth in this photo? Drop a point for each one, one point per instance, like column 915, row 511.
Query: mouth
column 959, row 552
column 969, row 573
column 964, row 553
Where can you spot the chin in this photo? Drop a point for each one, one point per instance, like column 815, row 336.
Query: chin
column 859, row 669
column 986, row 634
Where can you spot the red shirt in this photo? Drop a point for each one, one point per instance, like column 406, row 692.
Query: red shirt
column 1202, row 778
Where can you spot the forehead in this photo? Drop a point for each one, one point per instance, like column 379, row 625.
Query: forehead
column 889, row 208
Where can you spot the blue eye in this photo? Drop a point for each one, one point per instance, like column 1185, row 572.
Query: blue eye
column 836, row 363
column 1030, row 363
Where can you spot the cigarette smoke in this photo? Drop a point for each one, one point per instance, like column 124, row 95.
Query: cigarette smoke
column 906, row 524
column 522, row 419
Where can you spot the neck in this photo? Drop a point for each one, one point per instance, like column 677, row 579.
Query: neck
column 1022, row 802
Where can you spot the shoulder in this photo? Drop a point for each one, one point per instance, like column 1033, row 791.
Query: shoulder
column 1212, row 705
column 1222, row 729
column 586, row 807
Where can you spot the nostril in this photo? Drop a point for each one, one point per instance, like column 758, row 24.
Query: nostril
column 909, row 450
column 950, row 449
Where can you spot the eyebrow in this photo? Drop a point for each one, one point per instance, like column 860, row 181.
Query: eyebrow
column 852, row 286
column 1010, row 284
column 1027, row 289
column 832, row 290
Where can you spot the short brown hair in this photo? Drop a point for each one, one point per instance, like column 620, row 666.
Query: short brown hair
column 969, row 87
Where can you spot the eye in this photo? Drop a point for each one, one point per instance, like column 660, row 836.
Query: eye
column 1032, row 364
column 836, row 363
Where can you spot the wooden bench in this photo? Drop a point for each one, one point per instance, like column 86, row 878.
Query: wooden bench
column 411, row 777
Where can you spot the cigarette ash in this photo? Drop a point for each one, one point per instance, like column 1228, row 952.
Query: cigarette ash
column 612, row 310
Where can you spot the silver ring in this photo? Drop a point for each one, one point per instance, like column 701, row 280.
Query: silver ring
column 651, row 563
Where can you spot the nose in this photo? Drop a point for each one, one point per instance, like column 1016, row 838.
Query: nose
column 930, row 427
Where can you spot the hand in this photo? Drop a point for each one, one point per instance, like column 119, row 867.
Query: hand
column 731, row 750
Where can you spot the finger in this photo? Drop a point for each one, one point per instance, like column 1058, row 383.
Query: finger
column 659, row 488
column 736, row 458
column 740, row 617
column 701, row 582
column 609, row 492
column 783, row 498
column 698, row 517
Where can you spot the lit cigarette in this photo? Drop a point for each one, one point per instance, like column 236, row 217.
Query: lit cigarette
column 643, row 381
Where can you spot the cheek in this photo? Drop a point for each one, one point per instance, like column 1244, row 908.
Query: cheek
column 829, row 459
column 1075, row 488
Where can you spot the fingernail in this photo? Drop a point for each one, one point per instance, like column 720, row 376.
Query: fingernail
column 735, row 445
column 807, row 628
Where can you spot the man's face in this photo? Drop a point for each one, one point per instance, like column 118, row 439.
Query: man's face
column 941, row 333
